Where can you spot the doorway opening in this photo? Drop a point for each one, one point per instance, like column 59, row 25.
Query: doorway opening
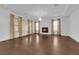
column 56, row 27
column 37, row 27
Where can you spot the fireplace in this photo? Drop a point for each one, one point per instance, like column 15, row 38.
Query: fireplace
column 45, row 29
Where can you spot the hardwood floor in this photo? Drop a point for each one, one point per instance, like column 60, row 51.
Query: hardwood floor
column 40, row 45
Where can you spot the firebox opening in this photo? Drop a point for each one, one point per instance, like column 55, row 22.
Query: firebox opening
column 45, row 29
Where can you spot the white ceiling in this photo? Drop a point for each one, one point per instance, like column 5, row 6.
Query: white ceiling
column 43, row 10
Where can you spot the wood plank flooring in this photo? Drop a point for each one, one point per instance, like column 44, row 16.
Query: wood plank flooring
column 40, row 45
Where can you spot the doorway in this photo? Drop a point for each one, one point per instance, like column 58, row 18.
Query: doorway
column 56, row 27
column 37, row 27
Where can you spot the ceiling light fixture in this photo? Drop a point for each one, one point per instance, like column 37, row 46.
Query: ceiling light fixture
column 56, row 5
column 40, row 18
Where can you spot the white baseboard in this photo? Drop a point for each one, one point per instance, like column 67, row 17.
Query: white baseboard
column 8, row 38
column 4, row 39
column 75, row 38
column 64, row 35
